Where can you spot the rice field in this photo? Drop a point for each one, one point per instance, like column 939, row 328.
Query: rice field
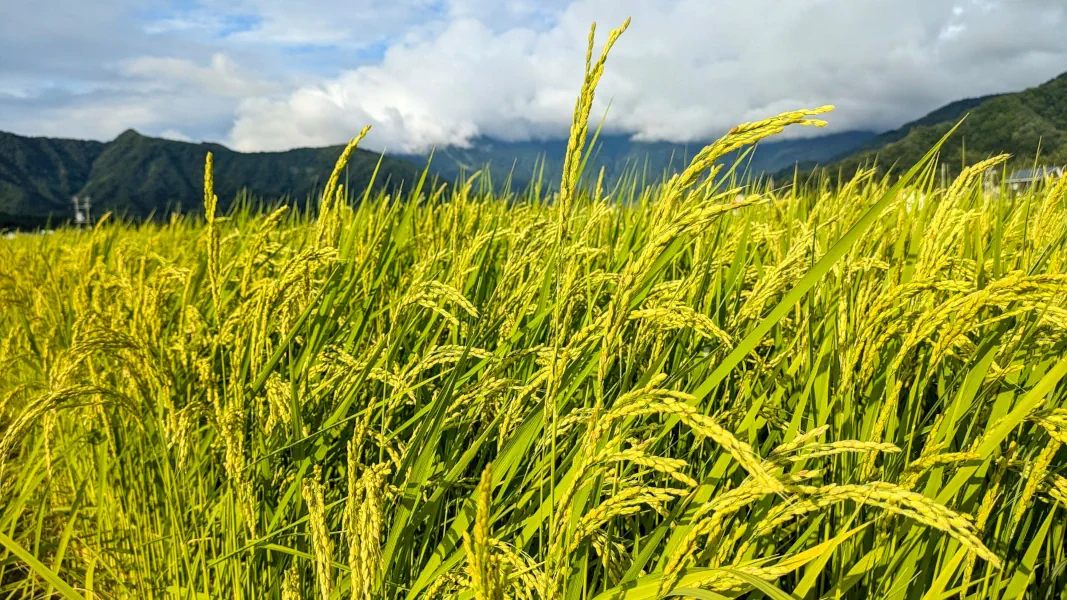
column 697, row 389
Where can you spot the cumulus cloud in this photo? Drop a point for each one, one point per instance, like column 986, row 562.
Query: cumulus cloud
column 461, row 82
column 155, row 95
column 90, row 70
column 686, row 70
column 220, row 77
column 272, row 74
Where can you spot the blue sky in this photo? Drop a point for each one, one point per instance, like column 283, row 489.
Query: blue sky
column 276, row 74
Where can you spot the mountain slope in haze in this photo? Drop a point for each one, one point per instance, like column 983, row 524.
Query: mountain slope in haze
column 953, row 111
column 1019, row 124
column 618, row 155
column 137, row 176
column 38, row 172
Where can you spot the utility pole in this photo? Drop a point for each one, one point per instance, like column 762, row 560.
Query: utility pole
column 82, row 206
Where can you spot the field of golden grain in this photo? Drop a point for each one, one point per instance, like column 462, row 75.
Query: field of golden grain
column 692, row 390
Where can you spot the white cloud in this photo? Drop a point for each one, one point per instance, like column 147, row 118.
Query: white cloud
column 169, row 97
column 220, row 77
column 432, row 72
column 445, row 89
column 686, row 69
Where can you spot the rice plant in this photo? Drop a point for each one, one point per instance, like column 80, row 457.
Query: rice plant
column 696, row 389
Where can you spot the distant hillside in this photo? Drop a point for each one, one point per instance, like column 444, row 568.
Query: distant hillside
column 36, row 174
column 618, row 155
column 136, row 176
column 1018, row 124
column 954, row 111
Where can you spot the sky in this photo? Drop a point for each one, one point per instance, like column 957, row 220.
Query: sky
column 260, row 75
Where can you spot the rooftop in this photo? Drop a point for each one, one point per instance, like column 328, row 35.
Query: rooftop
column 1028, row 175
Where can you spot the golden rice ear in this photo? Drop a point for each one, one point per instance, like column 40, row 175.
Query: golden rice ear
column 1036, row 474
column 291, row 589
column 313, row 492
column 572, row 161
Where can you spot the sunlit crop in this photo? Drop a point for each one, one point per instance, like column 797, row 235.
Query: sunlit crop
column 697, row 389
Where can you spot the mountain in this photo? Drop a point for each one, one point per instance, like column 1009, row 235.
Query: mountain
column 136, row 176
column 953, row 111
column 618, row 155
column 1020, row 124
column 36, row 173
